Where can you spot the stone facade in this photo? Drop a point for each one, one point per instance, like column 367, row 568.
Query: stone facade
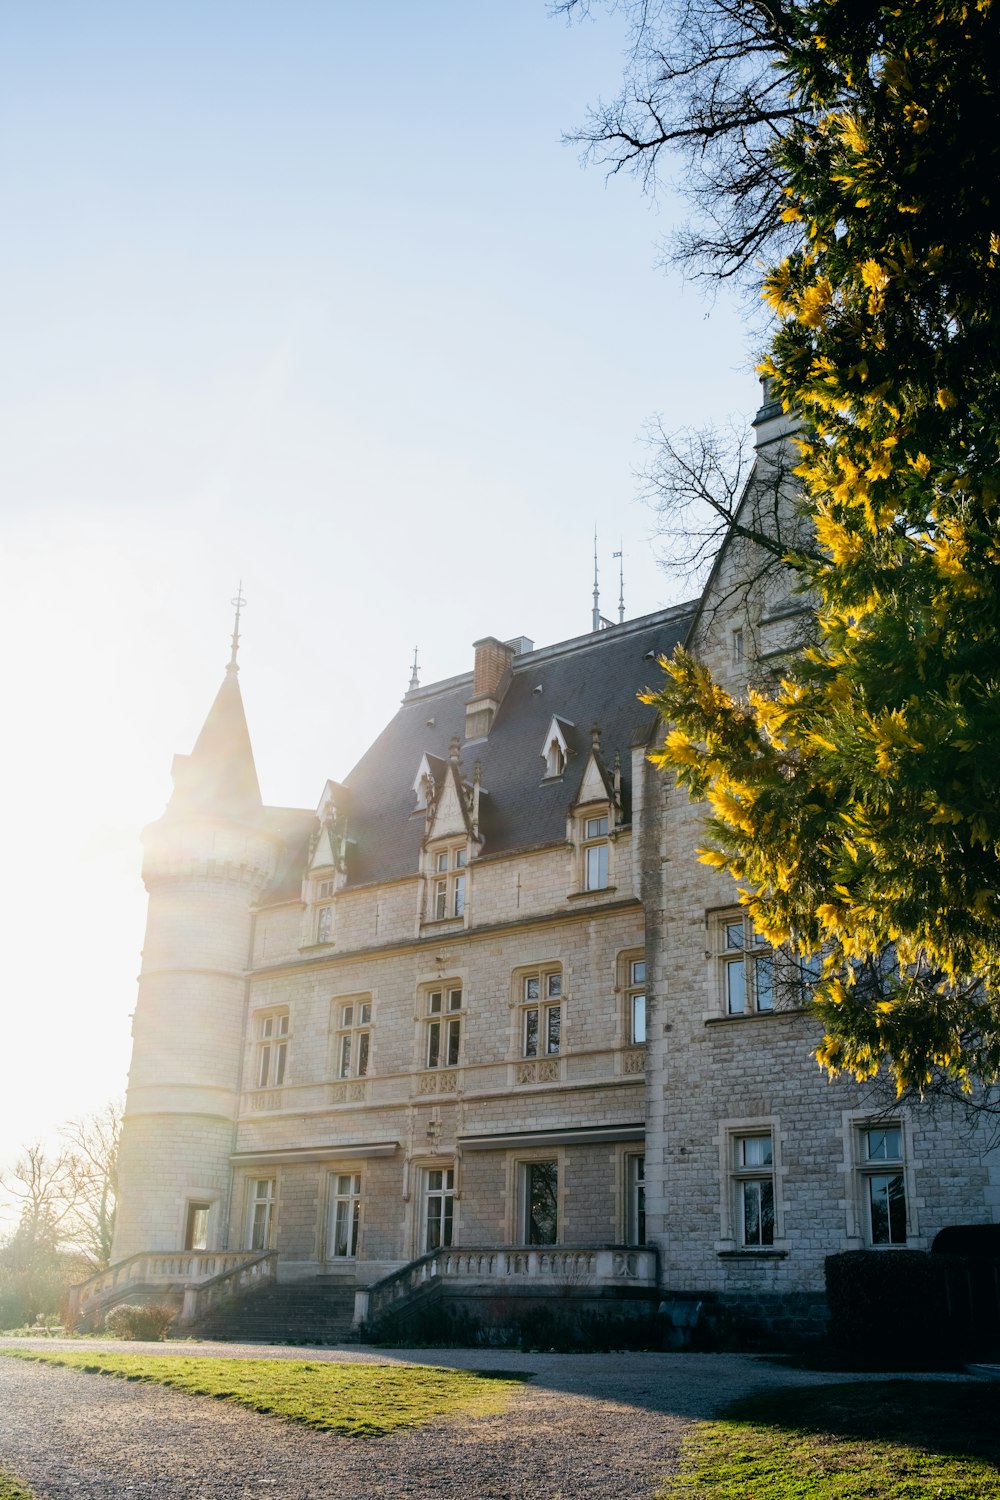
column 420, row 1017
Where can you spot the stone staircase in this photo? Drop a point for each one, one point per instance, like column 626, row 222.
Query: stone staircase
column 316, row 1311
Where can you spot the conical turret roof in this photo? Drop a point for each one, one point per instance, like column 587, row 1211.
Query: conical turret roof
column 219, row 776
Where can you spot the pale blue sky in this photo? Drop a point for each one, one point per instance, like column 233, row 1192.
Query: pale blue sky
column 309, row 294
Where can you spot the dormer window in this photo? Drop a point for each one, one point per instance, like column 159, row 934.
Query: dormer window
column 448, row 884
column 596, row 850
column 555, row 750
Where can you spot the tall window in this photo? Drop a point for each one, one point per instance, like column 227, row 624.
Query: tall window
column 196, row 1226
column 753, row 1182
column 448, row 888
column 541, row 1013
column 272, row 1049
column 345, row 1215
column 883, row 1184
column 261, row 1213
column 747, row 966
column 443, row 1027
column 354, row 1039
column 324, row 924
column 439, row 1207
column 635, row 999
column 635, row 1199
column 595, row 853
column 540, row 1202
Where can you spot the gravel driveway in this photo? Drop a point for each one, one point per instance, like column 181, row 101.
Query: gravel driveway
column 587, row 1427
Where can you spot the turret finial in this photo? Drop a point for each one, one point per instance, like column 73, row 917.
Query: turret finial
column 238, row 603
column 621, row 581
column 414, row 679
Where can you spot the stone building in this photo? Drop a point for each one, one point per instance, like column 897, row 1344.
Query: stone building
column 485, row 1005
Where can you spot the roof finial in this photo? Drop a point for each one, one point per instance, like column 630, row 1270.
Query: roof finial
column 596, row 624
column 621, row 581
column 414, row 679
column 238, row 603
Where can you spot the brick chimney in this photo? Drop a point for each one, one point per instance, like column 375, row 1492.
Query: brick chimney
column 490, row 681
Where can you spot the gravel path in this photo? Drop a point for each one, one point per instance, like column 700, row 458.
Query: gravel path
column 588, row 1427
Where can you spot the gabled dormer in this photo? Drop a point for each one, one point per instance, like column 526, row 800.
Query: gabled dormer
column 556, row 748
column 326, row 870
column 430, row 776
column 594, row 817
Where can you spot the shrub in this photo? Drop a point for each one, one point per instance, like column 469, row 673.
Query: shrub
column 128, row 1321
column 888, row 1309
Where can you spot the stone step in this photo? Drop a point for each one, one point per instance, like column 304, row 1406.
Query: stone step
column 300, row 1312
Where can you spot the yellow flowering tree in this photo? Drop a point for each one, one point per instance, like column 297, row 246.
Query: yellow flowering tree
column 858, row 803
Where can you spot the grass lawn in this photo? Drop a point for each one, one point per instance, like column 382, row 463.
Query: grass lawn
column 12, row 1489
column 884, row 1440
column 356, row 1400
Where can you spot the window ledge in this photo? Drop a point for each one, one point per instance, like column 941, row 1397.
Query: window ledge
column 757, row 1015
column 443, row 921
column 752, row 1254
column 604, row 890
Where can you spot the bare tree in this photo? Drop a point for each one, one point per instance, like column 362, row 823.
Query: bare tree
column 703, row 79
column 92, row 1172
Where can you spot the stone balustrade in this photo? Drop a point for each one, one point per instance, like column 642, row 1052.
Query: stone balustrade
column 178, row 1270
column 547, row 1267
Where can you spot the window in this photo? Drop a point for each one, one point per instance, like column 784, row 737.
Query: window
column 439, row 1207
column 737, row 647
column 595, row 853
column 540, row 1202
column 261, row 1213
column 448, row 887
column 635, row 1200
column 272, row 1049
column 541, row 1013
column 345, row 1216
column 196, row 1226
column 753, row 1182
column 636, row 1002
column 747, row 968
column 444, row 1027
column 883, row 1185
column 353, row 1039
column 324, row 924
column 555, row 759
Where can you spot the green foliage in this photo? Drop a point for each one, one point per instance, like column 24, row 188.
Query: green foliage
column 891, row 1440
column 133, row 1321
column 857, row 802
column 356, row 1400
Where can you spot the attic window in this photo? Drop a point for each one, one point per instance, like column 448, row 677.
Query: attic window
column 423, row 785
column 555, row 750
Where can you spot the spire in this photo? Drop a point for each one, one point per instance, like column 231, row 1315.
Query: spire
column 596, row 620
column 237, row 603
column 621, row 581
column 219, row 776
column 414, row 679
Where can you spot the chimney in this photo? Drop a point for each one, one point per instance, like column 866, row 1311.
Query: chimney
column 490, row 681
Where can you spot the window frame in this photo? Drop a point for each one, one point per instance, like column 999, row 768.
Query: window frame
column 442, row 1024
column 268, row 1041
column 525, row 1168
column 353, row 1030
column 892, row 1168
column 445, row 1196
column 448, row 866
column 546, row 1005
column 353, row 1197
column 595, row 842
column 760, row 1175
column 265, row 1220
column 634, row 1182
column 751, row 957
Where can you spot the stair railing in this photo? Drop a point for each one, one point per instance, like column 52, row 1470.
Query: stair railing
column 551, row 1268
column 200, row 1297
column 174, row 1269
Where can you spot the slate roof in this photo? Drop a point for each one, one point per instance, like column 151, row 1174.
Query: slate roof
column 592, row 679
